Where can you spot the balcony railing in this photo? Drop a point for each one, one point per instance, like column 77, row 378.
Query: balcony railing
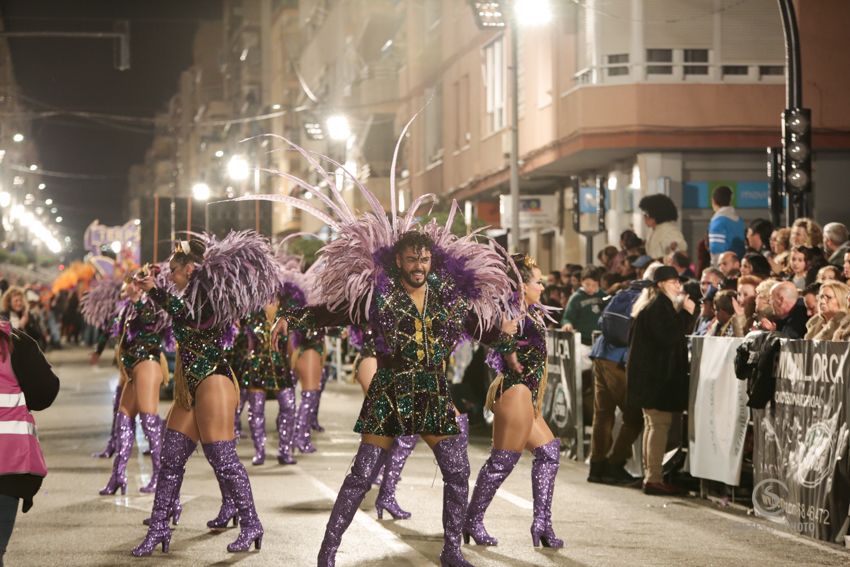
column 679, row 71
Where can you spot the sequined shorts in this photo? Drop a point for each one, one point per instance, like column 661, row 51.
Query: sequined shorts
column 510, row 380
column 407, row 403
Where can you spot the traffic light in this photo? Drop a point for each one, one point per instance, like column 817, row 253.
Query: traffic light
column 797, row 150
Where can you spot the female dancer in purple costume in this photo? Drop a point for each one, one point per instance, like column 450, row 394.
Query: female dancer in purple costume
column 515, row 398
column 218, row 281
column 141, row 360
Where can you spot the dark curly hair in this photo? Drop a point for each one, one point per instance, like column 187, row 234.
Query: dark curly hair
column 197, row 249
column 415, row 240
column 660, row 208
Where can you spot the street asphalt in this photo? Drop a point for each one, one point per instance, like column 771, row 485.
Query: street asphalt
column 71, row 524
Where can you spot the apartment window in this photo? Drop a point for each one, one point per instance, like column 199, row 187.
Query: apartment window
column 495, row 85
column 735, row 70
column 433, row 146
column 771, row 70
column 655, row 56
column 461, row 102
column 618, row 64
column 696, row 61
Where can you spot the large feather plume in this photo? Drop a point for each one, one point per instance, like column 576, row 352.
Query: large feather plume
column 100, row 303
column 237, row 276
column 356, row 262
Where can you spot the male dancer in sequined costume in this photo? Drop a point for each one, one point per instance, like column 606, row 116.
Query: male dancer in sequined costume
column 418, row 315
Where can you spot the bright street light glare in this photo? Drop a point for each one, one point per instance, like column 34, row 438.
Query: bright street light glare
column 48, row 202
column 58, row 219
column 238, row 168
column 201, row 191
column 338, row 128
column 219, row 153
column 116, row 246
column 42, row 186
column 5, row 199
column 18, row 137
column 533, row 12
column 33, row 167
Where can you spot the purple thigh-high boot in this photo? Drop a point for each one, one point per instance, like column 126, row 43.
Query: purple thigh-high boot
column 314, row 419
column 494, row 472
column 544, row 469
column 230, row 472
column 401, row 449
column 463, row 424
column 453, row 460
column 113, row 433
column 237, row 419
column 176, row 450
column 227, row 512
column 125, row 433
column 152, row 425
column 355, row 486
column 257, row 423
column 309, row 398
column 285, row 425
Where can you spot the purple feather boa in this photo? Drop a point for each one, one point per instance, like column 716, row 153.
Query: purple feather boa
column 100, row 303
column 238, row 275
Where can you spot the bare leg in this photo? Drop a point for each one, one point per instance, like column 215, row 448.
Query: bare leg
column 215, row 404
column 366, row 369
column 512, row 424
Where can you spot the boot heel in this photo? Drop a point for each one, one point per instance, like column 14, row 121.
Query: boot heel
column 466, row 537
column 535, row 540
column 380, row 512
column 235, row 521
column 165, row 545
column 258, row 543
column 124, row 489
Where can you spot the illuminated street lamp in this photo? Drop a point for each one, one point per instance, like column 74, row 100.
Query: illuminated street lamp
column 59, row 219
column 33, row 167
column 42, row 186
column 526, row 13
column 201, row 191
column 339, row 129
column 238, row 168
column 5, row 199
column 18, row 137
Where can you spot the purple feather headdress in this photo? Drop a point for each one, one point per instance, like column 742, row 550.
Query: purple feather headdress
column 238, row 275
column 100, row 303
column 357, row 260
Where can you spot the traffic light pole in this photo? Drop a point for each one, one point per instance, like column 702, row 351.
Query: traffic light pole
column 796, row 168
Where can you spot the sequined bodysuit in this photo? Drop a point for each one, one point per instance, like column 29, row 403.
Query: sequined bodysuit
column 200, row 347
column 410, row 393
column 139, row 339
column 531, row 354
column 262, row 366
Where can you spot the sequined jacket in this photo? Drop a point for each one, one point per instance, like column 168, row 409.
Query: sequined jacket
column 201, row 346
column 405, row 339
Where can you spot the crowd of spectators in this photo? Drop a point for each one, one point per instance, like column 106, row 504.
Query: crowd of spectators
column 51, row 319
column 742, row 277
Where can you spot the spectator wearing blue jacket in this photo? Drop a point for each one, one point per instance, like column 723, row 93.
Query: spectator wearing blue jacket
column 726, row 231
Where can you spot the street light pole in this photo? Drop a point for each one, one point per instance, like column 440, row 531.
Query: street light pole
column 513, row 243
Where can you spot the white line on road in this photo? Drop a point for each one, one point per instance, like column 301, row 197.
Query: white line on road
column 393, row 545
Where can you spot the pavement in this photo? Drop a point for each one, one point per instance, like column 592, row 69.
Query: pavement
column 71, row 524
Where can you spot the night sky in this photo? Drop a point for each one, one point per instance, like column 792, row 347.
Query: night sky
column 78, row 74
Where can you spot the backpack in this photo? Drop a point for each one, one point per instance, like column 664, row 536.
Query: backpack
column 617, row 316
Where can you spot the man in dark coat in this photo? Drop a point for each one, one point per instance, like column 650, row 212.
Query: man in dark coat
column 789, row 311
column 657, row 368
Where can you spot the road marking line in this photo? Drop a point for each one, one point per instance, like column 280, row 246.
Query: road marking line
column 393, row 544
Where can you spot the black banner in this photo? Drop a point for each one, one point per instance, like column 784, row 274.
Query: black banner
column 562, row 401
column 801, row 442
